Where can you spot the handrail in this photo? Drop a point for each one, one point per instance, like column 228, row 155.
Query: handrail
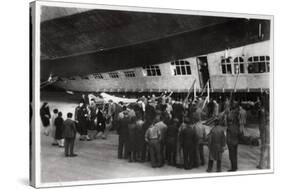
column 204, row 87
column 234, row 88
column 188, row 92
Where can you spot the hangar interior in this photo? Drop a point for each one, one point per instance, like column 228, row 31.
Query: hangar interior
column 136, row 53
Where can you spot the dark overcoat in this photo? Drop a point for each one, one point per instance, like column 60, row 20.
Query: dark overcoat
column 216, row 143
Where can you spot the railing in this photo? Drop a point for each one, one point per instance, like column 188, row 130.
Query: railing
column 188, row 92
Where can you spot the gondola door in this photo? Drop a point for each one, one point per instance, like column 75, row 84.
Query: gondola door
column 203, row 70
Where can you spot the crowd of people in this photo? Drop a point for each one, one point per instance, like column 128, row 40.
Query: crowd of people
column 161, row 130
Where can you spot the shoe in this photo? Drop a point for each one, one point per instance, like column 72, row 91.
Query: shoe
column 55, row 144
column 231, row 170
column 218, row 170
column 209, row 170
column 259, row 167
column 66, row 155
column 73, row 155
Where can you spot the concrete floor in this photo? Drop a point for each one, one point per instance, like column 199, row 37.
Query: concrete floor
column 97, row 159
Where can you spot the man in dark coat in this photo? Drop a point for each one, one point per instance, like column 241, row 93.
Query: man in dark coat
column 45, row 116
column 69, row 133
column 178, row 111
column 188, row 139
column 145, row 150
column 232, row 138
column 81, row 117
column 171, row 141
column 132, row 140
column 59, row 129
column 216, row 145
column 122, row 130
column 149, row 112
column 140, row 141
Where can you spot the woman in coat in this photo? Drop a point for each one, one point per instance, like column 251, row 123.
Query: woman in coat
column 100, row 126
column 59, row 129
column 45, row 116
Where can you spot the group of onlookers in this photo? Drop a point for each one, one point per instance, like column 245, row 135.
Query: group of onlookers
column 161, row 130
column 173, row 132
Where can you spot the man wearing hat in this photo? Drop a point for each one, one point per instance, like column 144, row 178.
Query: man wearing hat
column 188, row 139
column 232, row 138
column 153, row 138
column 171, row 141
column 163, row 131
column 69, row 133
column 123, row 132
column 216, row 145
column 201, row 135
column 81, row 117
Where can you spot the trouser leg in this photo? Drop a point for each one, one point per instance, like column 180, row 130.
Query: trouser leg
column 159, row 155
column 235, row 166
column 233, row 156
column 196, row 156
column 71, row 145
column 210, row 165
column 126, row 148
column 130, row 156
column 185, row 158
column 201, row 153
column 134, row 155
column 152, row 154
column 191, row 158
column 66, row 147
column 120, row 148
column 143, row 152
column 174, row 157
column 218, row 165
column 230, row 153
column 168, row 153
column 161, row 145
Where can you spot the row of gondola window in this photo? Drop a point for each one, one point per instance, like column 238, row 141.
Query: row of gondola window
column 255, row 64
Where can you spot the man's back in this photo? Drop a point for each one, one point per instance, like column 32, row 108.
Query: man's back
column 188, row 136
column 123, row 126
column 232, row 135
column 69, row 128
column 172, row 131
column 200, row 131
column 217, row 136
column 152, row 132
